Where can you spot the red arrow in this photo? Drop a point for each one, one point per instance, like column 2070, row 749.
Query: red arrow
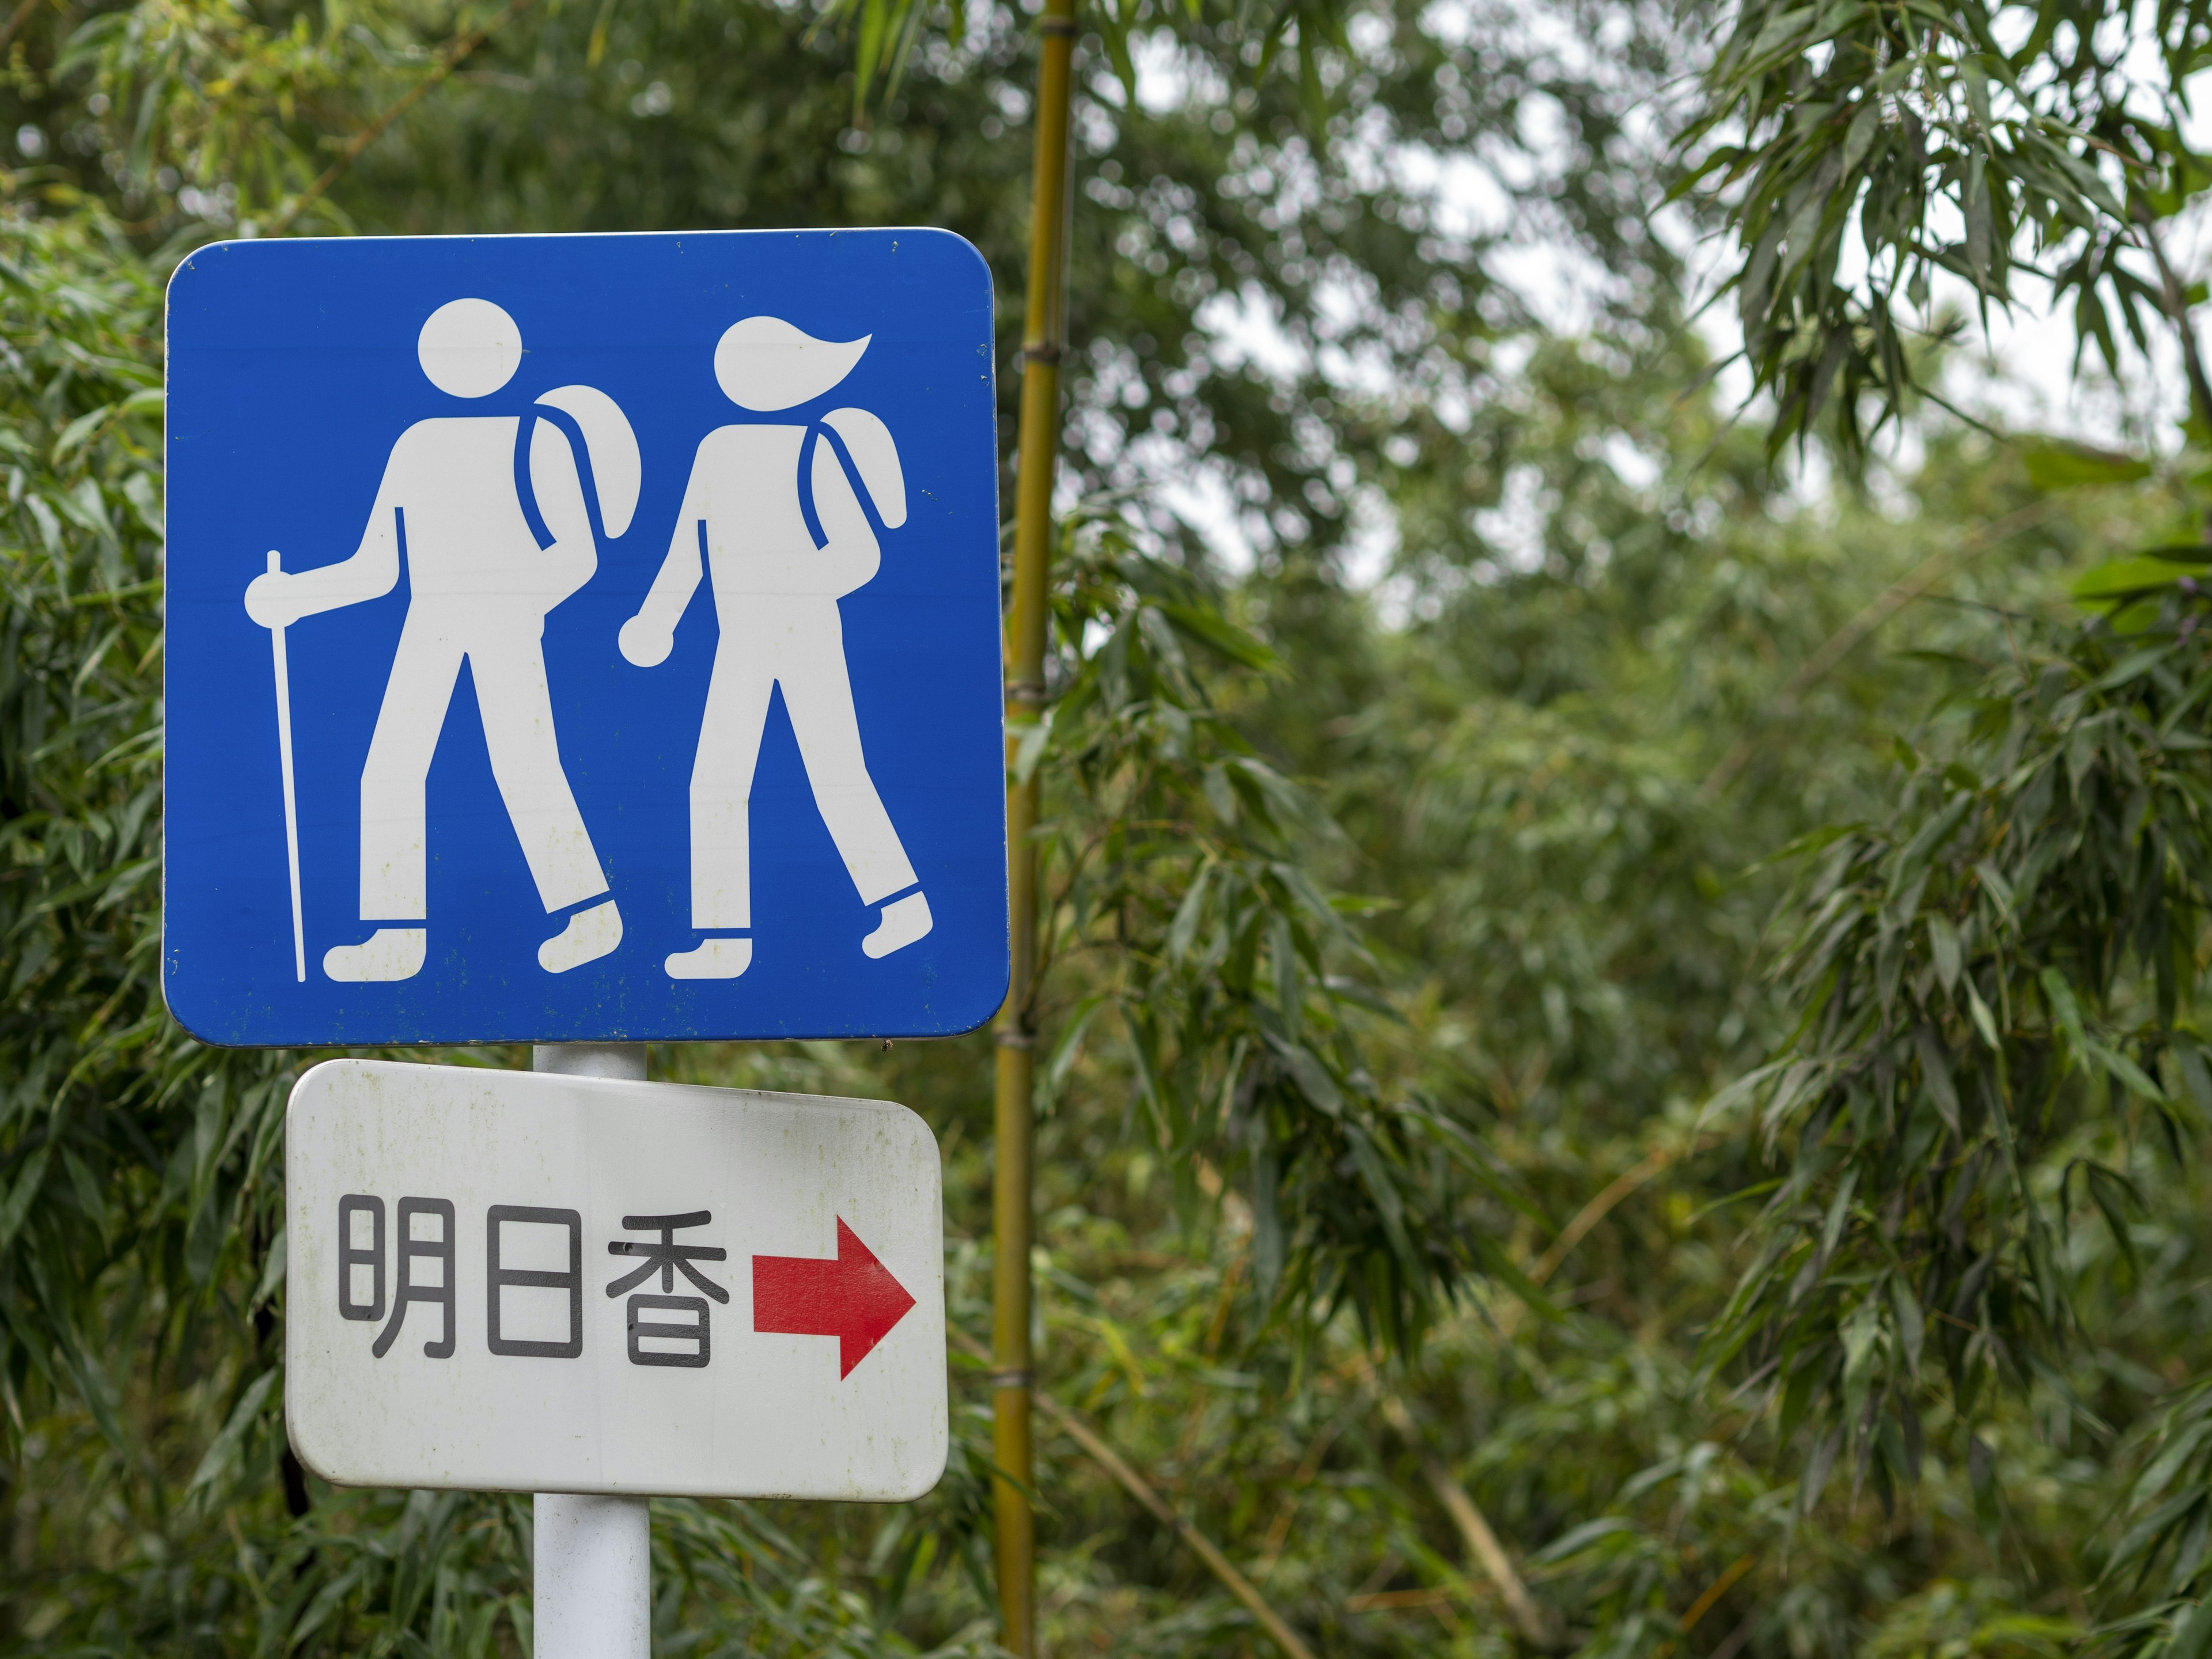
column 854, row 1299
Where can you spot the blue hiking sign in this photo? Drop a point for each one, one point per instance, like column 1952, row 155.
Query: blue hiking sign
column 583, row 638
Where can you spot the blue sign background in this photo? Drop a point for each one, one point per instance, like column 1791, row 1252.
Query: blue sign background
column 293, row 370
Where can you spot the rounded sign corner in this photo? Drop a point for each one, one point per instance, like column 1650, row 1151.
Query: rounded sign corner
column 301, row 1430
column 939, row 233
column 188, row 267
column 318, row 1080
column 199, row 1030
column 921, row 1486
column 988, row 1001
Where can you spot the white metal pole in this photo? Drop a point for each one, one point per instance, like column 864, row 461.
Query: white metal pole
column 592, row 1566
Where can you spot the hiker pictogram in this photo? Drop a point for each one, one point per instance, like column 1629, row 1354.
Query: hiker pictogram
column 488, row 514
column 786, row 517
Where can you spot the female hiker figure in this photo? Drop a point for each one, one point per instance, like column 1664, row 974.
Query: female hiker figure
column 782, row 513
column 492, row 515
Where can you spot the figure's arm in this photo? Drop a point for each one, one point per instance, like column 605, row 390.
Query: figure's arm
column 277, row 598
column 647, row 638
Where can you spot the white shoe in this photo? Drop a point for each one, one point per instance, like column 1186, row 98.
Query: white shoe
column 388, row 953
column 589, row 935
column 715, row 958
column 904, row 922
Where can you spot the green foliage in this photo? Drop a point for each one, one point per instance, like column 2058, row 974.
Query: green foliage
column 1178, row 882
column 1940, row 139
column 2159, row 1559
column 120, row 1141
column 1990, row 1113
column 1400, row 931
column 216, row 99
column 1998, row 987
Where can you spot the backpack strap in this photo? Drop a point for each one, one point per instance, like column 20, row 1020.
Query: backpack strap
column 525, row 492
column 822, row 431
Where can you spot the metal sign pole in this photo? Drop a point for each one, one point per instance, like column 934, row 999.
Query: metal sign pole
column 458, row 1319
column 592, row 1563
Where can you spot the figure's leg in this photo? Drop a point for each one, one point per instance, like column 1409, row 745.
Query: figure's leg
column 721, row 793
column 394, row 842
column 818, row 693
column 525, row 762
column 723, row 786
column 394, row 884
column 517, row 705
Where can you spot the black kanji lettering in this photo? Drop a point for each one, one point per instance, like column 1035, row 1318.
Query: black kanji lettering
column 352, row 1254
column 694, row 1332
column 668, row 1258
column 412, row 1250
column 498, row 1278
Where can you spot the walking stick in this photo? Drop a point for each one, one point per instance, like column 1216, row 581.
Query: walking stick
column 291, row 801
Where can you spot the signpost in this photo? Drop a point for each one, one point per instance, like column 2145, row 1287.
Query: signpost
column 633, row 609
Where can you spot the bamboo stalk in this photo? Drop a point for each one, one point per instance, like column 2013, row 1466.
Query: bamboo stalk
column 1473, row 1530
column 1596, row 1211
column 1044, row 337
column 1206, row 1549
column 1094, row 1445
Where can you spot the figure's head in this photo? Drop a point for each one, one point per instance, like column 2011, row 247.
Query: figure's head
column 764, row 364
column 469, row 348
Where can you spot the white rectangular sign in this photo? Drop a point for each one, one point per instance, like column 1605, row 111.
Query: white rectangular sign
column 515, row 1281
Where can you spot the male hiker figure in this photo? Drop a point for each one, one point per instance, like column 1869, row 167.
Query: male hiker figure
column 773, row 509
column 495, row 537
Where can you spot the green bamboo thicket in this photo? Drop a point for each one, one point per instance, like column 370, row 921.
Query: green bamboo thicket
column 1593, row 993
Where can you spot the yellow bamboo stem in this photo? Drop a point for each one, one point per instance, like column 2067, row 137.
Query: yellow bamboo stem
column 1044, row 337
